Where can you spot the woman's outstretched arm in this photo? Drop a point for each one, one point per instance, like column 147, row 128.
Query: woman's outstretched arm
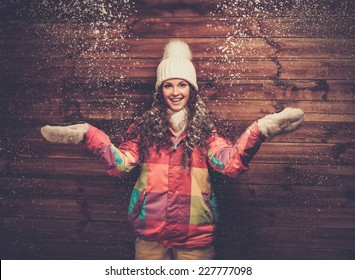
column 116, row 160
column 233, row 159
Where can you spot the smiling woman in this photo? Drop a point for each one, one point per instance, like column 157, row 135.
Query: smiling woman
column 173, row 207
column 95, row 61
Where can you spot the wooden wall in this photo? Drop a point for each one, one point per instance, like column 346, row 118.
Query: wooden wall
column 95, row 61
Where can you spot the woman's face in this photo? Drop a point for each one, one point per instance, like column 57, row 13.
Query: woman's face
column 176, row 93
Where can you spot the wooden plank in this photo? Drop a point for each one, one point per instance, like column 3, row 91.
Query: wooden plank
column 57, row 249
column 105, row 189
column 250, row 252
column 85, row 229
column 307, row 27
column 235, row 69
column 310, row 132
column 211, row 48
column 229, row 48
column 51, row 167
column 29, row 30
column 314, row 111
column 12, row 249
column 306, row 153
column 75, row 208
column 92, row 249
column 313, row 47
column 241, row 27
column 199, row 27
column 302, row 254
column 293, row 197
column 12, row 87
column 217, row 70
column 311, row 237
column 39, row 48
column 81, row 11
column 318, row 69
column 64, row 11
column 59, row 31
column 311, row 90
column 38, row 70
column 303, row 175
column 189, row 8
column 131, row 48
column 259, row 173
column 137, row 68
column 195, row 8
column 277, row 216
column 285, row 69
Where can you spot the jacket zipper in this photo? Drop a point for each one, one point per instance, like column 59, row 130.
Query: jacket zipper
column 139, row 205
column 205, row 197
column 175, row 143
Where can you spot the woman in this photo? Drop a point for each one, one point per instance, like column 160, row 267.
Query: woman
column 172, row 208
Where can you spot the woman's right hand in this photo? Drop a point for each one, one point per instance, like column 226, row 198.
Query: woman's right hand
column 66, row 134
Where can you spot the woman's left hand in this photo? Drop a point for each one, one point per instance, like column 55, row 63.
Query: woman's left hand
column 286, row 121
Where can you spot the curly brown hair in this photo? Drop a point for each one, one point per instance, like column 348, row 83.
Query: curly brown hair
column 154, row 125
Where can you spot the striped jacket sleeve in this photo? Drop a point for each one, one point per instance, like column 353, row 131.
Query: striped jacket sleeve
column 233, row 159
column 116, row 160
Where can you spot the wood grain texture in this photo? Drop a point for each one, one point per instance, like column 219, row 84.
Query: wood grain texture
column 297, row 201
column 202, row 48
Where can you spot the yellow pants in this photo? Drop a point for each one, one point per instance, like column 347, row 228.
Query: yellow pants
column 146, row 250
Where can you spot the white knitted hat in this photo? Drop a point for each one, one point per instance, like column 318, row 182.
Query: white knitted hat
column 176, row 64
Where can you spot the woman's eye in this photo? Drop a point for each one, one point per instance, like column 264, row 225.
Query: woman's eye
column 183, row 85
column 167, row 86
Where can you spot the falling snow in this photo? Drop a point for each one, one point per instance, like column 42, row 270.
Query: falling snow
column 90, row 36
column 97, row 30
column 244, row 21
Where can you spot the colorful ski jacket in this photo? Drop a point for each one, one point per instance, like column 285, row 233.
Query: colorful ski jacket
column 170, row 203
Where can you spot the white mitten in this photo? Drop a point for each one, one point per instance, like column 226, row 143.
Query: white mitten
column 286, row 121
column 68, row 134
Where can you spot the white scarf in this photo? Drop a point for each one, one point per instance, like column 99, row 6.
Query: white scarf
column 178, row 121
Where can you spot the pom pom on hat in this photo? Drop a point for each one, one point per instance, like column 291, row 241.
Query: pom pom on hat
column 178, row 49
column 176, row 64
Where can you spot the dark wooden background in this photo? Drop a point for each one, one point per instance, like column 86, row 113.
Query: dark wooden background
column 95, row 61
